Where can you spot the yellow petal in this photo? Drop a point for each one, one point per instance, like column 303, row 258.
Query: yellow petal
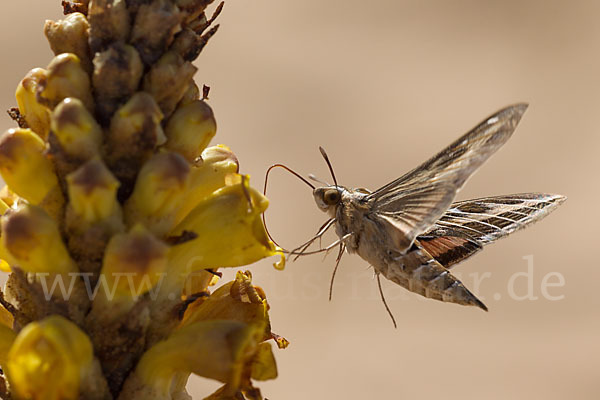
column 6, row 318
column 3, row 207
column 48, row 360
column 220, row 350
column 237, row 300
column 7, row 337
column 263, row 365
column 229, row 231
column 217, row 162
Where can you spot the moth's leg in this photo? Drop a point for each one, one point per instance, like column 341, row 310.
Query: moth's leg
column 343, row 240
column 337, row 263
column 300, row 250
column 387, row 308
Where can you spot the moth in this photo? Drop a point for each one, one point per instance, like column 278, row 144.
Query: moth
column 412, row 232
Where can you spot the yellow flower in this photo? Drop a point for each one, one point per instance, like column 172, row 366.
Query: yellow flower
column 229, row 231
column 226, row 351
column 48, row 360
column 208, row 175
column 236, row 300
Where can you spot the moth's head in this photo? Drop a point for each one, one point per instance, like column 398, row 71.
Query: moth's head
column 328, row 197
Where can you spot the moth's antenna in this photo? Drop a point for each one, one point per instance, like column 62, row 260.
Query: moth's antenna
column 328, row 164
column 385, row 302
column 265, row 191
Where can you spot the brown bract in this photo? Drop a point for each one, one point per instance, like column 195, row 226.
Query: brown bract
column 75, row 6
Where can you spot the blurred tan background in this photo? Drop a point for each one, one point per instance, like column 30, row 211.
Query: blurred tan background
column 383, row 85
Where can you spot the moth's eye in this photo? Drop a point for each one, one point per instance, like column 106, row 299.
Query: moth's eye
column 331, row 197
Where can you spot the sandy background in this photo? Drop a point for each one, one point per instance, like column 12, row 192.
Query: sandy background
column 383, row 85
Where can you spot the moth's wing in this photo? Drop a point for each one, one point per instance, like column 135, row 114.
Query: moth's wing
column 469, row 225
column 412, row 203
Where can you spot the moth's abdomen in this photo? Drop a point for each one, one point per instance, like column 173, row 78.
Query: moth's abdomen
column 420, row 273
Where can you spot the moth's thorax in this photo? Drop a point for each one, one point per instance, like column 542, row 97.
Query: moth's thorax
column 349, row 214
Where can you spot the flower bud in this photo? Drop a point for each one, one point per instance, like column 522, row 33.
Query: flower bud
column 24, row 167
column 36, row 114
column 134, row 133
column 79, row 135
column 190, row 129
column 191, row 94
column 117, row 74
column 32, row 239
column 93, row 193
column 65, row 77
column 168, row 80
column 160, row 189
column 49, row 360
column 191, row 41
column 154, row 29
column 70, row 35
column 109, row 22
column 134, row 262
column 193, row 8
column 93, row 214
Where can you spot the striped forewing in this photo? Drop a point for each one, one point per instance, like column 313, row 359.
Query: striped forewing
column 469, row 225
column 412, row 203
